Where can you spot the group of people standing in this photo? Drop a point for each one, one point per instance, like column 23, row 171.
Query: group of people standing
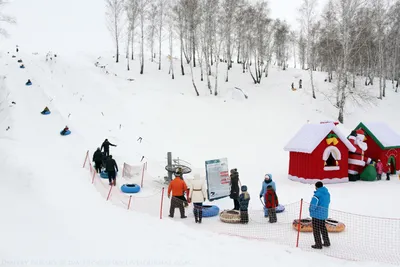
column 319, row 205
column 241, row 199
column 104, row 161
column 380, row 169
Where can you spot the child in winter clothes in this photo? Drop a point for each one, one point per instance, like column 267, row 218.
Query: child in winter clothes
column 271, row 202
column 244, row 199
column 379, row 169
column 388, row 172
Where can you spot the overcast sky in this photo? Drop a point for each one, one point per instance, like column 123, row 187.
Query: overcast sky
column 287, row 10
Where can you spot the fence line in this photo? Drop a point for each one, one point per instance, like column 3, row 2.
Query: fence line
column 365, row 238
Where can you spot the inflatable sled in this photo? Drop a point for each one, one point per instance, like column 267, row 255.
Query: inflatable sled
column 331, row 225
column 104, row 174
column 209, row 211
column 28, row 83
column 19, row 60
column 22, row 67
column 278, row 209
column 66, row 133
column 45, row 112
column 130, row 188
column 230, row 216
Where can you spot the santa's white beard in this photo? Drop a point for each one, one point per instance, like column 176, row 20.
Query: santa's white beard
column 361, row 144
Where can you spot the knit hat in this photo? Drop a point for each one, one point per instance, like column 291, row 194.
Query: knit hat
column 244, row 188
column 319, row 184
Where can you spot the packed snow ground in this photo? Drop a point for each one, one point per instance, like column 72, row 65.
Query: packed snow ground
column 53, row 212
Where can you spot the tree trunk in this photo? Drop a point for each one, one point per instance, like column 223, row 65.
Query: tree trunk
column 194, row 84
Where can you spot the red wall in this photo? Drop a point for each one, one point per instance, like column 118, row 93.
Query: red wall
column 311, row 166
column 375, row 152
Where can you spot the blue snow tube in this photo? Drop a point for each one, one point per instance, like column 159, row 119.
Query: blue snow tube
column 66, row 133
column 104, row 174
column 130, row 188
column 22, row 67
column 46, row 112
column 28, row 84
column 210, row 211
column 278, row 209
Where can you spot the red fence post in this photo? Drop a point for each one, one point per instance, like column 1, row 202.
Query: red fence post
column 129, row 203
column 141, row 183
column 86, row 157
column 162, row 201
column 94, row 174
column 299, row 224
column 109, row 192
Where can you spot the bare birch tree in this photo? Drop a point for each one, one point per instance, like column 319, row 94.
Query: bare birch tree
column 114, row 15
column 308, row 18
column 162, row 12
column 5, row 19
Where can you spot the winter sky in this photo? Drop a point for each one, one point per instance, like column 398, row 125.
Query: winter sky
column 58, row 23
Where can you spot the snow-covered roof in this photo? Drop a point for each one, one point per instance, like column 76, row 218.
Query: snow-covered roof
column 385, row 135
column 311, row 135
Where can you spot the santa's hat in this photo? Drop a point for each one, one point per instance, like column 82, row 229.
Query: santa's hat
column 360, row 132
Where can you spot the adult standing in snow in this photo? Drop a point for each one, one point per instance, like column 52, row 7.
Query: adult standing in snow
column 111, row 169
column 98, row 160
column 106, row 146
column 267, row 181
column 197, row 195
column 379, row 169
column 234, row 194
column 319, row 207
column 178, row 188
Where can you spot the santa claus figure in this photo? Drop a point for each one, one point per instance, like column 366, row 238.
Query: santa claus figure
column 357, row 159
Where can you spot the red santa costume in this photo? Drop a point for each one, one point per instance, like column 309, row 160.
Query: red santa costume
column 357, row 159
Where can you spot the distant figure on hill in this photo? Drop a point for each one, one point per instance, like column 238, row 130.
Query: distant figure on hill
column 64, row 130
column 16, row 49
column 28, row 82
column 111, row 169
column 106, row 146
column 300, row 84
column 98, row 160
column 45, row 110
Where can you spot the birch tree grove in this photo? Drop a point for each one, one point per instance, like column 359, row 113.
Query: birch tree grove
column 5, row 19
column 114, row 15
column 354, row 41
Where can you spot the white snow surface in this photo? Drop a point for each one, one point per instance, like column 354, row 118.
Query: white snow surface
column 310, row 136
column 53, row 216
column 384, row 133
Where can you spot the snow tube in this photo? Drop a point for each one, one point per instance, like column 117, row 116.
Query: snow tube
column 210, row 211
column 278, row 209
column 332, row 226
column 230, row 216
column 130, row 188
column 22, row 67
column 46, row 112
column 28, row 84
column 66, row 133
column 104, row 174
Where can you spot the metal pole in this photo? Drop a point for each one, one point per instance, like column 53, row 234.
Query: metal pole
column 169, row 158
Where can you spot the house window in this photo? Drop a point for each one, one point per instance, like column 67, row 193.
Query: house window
column 331, row 158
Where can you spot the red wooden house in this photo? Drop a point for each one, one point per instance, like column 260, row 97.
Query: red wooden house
column 319, row 152
column 383, row 143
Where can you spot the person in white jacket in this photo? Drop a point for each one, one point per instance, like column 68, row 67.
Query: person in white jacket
column 197, row 196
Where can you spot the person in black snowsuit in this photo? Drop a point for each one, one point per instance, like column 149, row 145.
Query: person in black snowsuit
column 106, row 146
column 111, row 169
column 98, row 160
column 235, row 189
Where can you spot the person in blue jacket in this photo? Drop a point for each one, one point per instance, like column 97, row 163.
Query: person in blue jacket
column 267, row 181
column 319, row 207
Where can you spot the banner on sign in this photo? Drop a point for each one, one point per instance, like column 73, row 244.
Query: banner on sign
column 218, row 179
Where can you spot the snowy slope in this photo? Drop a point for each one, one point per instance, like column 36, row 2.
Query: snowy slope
column 52, row 211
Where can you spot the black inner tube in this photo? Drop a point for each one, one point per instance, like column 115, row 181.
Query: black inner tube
column 232, row 212
column 206, row 207
column 131, row 185
column 331, row 221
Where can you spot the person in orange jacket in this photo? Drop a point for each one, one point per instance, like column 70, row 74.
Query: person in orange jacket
column 178, row 188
